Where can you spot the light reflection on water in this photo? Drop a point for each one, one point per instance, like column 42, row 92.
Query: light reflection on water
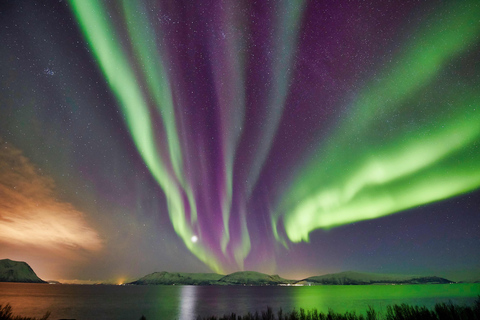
column 187, row 302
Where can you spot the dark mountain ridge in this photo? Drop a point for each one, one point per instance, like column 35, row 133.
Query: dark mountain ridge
column 252, row 278
column 17, row 271
column 178, row 278
column 361, row 278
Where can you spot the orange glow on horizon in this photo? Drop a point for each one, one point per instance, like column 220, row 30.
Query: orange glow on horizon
column 33, row 222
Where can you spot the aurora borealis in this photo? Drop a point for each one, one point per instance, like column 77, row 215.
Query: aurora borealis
column 290, row 137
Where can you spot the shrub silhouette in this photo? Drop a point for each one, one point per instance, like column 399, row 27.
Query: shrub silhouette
column 7, row 314
column 441, row 311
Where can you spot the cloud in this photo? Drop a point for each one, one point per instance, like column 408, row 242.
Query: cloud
column 30, row 214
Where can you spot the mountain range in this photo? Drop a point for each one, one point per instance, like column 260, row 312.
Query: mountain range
column 359, row 278
column 252, row 278
column 16, row 271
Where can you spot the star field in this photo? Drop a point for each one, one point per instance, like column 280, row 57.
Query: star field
column 290, row 137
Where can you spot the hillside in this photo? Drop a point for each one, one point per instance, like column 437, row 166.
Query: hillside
column 17, row 271
column 359, row 278
column 171, row 278
column 252, row 278
column 237, row 278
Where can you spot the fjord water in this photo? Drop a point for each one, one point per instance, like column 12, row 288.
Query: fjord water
column 187, row 302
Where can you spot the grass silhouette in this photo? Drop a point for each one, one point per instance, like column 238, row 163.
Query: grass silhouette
column 441, row 311
column 7, row 314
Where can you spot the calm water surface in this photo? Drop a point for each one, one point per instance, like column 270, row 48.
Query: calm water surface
column 187, row 302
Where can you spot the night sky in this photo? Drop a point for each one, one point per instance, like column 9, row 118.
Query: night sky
column 290, row 137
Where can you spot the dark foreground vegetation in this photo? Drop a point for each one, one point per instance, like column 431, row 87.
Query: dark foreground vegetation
column 441, row 311
column 7, row 314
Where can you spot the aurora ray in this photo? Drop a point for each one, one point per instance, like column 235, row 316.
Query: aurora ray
column 123, row 83
column 260, row 123
column 375, row 164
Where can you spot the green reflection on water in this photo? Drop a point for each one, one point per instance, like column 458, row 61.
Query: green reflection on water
column 358, row 298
